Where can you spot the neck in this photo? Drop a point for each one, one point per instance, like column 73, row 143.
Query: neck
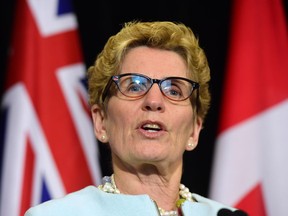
column 109, row 186
column 164, row 190
column 158, row 179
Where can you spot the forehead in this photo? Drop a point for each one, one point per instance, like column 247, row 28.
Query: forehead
column 153, row 62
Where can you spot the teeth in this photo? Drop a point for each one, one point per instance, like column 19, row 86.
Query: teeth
column 152, row 126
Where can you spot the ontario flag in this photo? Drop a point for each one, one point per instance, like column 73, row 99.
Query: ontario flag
column 49, row 148
column 250, row 164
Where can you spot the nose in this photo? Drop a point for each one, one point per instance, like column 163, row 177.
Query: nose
column 154, row 99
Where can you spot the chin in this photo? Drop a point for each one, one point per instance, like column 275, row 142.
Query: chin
column 152, row 159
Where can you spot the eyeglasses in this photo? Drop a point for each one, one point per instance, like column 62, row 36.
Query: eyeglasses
column 134, row 85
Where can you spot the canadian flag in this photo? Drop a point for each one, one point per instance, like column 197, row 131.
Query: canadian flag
column 251, row 156
column 49, row 148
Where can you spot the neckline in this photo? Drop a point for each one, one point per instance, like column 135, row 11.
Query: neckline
column 109, row 186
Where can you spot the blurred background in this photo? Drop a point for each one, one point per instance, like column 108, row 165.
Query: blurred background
column 98, row 20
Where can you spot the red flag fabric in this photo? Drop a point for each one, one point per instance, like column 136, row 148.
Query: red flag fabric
column 249, row 169
column 49, row 145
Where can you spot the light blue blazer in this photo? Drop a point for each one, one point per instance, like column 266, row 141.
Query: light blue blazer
column 91, row 201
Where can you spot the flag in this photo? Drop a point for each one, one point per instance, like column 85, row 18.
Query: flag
column 249, row 169
column 48, row 145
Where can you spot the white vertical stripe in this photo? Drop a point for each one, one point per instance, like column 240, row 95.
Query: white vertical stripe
column 254, row 151
column 69, row 79
column 14, row 151
column 23, row 124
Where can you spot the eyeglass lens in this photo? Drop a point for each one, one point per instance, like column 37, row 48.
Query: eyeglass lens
column 134, row 85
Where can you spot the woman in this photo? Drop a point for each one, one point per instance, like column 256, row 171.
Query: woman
column 149, row 96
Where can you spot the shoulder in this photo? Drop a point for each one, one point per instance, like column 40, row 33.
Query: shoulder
column 68, row 204
column 91, row 201
column 208, row 207
column 211, row 203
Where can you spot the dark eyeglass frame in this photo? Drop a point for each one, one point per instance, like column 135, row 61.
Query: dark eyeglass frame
column 116, row 79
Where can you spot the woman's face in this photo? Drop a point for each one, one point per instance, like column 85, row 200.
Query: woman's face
column 152, row 129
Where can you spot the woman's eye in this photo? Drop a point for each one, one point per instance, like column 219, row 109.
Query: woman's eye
column 173, row 91
column 134, row 87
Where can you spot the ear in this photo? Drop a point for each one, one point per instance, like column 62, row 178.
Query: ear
column 98, row 118
column 194, row 137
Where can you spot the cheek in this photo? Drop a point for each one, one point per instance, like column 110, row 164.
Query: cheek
column 118, row 120
column 183, row 118
column 184, row 124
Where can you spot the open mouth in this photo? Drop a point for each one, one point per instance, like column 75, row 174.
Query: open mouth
column 152, row 127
